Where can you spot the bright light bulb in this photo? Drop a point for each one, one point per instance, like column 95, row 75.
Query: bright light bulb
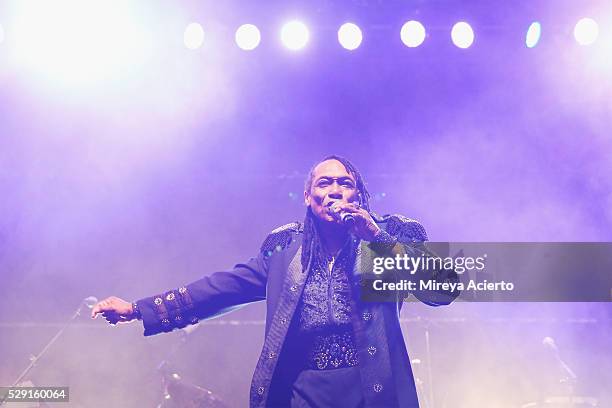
column 350, row 36
column 462, row 35
column 586, row 31
column 193, row 36
column 248, row 37
column 295, row 35
column 413, row 34
column 533, row 34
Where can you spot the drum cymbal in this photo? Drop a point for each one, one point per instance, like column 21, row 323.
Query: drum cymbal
column 179, row 393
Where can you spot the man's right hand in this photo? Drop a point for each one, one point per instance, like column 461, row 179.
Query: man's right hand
column 114, row 310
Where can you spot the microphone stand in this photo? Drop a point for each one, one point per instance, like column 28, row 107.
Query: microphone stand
column 165, row 367
column 34, row 359
column 429, row 371
column 569, row 379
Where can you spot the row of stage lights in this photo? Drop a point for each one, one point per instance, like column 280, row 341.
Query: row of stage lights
column 295, row 35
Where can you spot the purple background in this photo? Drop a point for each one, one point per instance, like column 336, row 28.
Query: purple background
column 178, row 163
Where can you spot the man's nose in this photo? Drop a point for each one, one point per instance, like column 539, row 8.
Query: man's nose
column 335, row 191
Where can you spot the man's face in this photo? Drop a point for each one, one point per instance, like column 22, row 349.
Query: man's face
column 331, row 182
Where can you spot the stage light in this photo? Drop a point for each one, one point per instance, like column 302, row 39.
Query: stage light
column 248, row 37
column 295, row 35
column 462, row 35
column 350, row 36
column 533, row 34
column 77, row 42
column 586, row 31
column 412, row 34
column 193, row 37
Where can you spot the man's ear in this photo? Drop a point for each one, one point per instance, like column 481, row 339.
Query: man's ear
column 307, row 198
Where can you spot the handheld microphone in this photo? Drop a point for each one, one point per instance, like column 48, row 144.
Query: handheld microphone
column 346, row 218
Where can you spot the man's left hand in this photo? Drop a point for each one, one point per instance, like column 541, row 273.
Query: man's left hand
column 364, row 227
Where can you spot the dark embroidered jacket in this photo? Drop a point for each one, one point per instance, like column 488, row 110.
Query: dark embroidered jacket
column 276, row 276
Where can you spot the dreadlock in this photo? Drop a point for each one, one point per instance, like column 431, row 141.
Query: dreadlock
column 312, row 248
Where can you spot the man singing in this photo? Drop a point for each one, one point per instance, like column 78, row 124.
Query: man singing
column 323, row 347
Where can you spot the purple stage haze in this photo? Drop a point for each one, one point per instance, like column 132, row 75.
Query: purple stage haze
column 176, row 163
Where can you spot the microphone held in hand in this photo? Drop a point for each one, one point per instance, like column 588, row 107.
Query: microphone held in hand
column 345, row 217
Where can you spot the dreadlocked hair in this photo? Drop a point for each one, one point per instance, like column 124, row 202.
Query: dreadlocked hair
column 312, row 247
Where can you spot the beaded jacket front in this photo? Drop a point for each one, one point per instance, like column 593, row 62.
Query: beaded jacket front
column 325, row 304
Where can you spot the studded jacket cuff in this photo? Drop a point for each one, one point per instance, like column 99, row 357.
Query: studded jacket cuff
column 136, row 311
column 167, row 311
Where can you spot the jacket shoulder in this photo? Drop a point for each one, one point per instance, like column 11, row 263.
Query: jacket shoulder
column 281, row 237
column 403, row 228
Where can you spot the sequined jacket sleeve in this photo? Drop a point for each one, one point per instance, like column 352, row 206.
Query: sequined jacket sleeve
column 405, row 235
column 213, row 295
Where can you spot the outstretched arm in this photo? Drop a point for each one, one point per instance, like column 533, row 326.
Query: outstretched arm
column 210, row 296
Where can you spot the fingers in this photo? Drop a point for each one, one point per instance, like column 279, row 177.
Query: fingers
column 111, row 318
column 365, row 227
column 347, row 207
column 97, row 309
column 354, row 209
column 106, row 305
column 114, row 310
column 114, row 318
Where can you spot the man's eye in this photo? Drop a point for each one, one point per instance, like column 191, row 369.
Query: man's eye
column 323, row 183
column 348, row 184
